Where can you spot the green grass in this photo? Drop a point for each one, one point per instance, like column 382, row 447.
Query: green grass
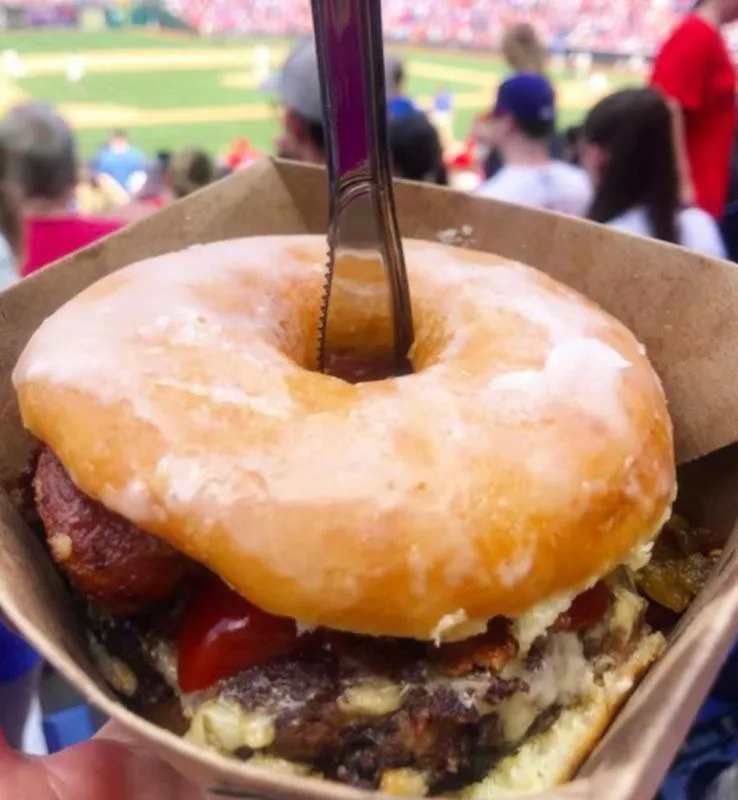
column 70, row 41
column 191, row 88
column 202, row 87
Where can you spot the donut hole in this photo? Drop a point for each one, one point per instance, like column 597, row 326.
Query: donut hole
column 357, row 367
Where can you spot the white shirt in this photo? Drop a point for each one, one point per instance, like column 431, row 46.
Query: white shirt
column 556, row 186
column 696, row 229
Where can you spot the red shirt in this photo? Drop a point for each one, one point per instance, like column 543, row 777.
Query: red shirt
column 50, row 238
column 694, row 68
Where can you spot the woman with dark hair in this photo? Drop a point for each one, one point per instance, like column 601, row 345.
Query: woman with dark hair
column 415, row 149
column 190, row 169
column 628, row 151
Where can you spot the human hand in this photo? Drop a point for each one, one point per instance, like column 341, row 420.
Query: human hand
column 112, row 765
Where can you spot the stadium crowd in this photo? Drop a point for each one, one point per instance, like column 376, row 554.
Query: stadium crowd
column 656, row 161
column 653, row 161
column 630, row 26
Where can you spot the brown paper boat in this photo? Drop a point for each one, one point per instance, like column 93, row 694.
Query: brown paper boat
column 681, row 306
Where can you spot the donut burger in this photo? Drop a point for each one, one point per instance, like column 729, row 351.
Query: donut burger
column 421, row 584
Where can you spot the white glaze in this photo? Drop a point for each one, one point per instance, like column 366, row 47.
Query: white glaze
column 226, row 337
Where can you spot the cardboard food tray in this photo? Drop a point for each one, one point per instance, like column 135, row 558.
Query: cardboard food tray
column 682, row 307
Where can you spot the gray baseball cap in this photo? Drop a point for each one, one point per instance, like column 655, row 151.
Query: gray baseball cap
column 297, row 83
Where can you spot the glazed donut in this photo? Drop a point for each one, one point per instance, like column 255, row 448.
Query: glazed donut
column 529, row 453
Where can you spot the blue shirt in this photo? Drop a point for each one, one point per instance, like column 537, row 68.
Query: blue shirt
column 16, row 657
column 120, row 164
column 400, row 106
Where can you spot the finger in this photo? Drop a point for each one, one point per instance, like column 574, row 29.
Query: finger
column 16, row 775
column 193, row 776
column 117, row 771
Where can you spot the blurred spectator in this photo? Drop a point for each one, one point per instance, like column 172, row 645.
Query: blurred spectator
column 155, row 192
column 442, row 116
column 241, row 153
column 121, row 161
column 169, row 178
column 11, row 226
column 571, row 139
column 523, row 50
column 628, row 151
column 297, row 86
column 628, row 26
column 522, row 126
column 695, row 71
column 98, row 194
column 398, row 103
column 163, row 158
column 415, row 149
column 43, row 165
column 190, row 169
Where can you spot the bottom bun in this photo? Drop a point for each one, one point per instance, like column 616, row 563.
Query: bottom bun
column 554, row 756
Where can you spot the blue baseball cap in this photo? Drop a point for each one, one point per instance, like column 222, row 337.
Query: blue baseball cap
column 528, row 97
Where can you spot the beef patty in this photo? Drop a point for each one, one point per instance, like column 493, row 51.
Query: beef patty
column 354, row 712
column 357, row 709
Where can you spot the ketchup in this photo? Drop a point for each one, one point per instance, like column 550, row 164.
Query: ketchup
column 221, row 634
column 587, row 609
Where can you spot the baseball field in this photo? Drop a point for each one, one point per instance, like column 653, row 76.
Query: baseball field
column 174, row 90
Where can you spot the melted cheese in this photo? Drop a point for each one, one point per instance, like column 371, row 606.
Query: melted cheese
column 456, row 627
column 626, row 611
column 371, row 699
column 403, row 783
column 536, row 621
column 116, row 672
column 224, row 726
column 564, row 676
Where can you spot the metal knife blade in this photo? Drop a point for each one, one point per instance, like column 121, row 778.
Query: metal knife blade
column 365, row 273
